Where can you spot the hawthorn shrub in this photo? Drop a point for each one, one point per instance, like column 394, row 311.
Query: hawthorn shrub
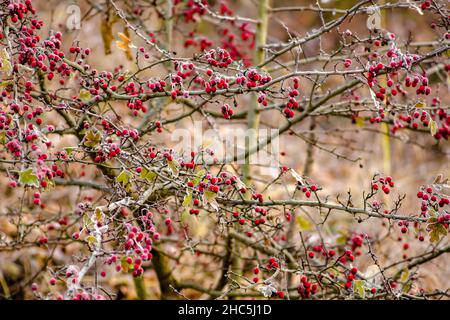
column 96, row 195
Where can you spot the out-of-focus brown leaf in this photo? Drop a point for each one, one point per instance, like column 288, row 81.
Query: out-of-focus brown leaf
column 107, row 35
column 106, row 29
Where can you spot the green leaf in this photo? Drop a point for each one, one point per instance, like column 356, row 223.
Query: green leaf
column 27, row 177
column 198, row 177
column 358, row 287
column 85, row 95
column 99, row 214
column 209, row 197
column 303, row 223
column 187, row 202
column 92, row 138
column 404, row 276
column 87, row 221
column 342, row 239
column 69, row 150
column 148, row 174
column 407, row 287
column 184, row 215
column 173, row 166
column 123, row 177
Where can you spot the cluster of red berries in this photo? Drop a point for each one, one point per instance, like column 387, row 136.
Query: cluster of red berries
column 385, row 182
column 219, row 58
column 256, row 271
column 262, row 99
column 350, row 277
column 258, row 196
column 422, row 88
column 292, row 102
column 443, row 130
column 227, row 111
column 17, row 11
column 254, row 79
column 228, row 39
column 156, row 86
column 139, row 245
column 272, row 264
column 308, row 190
column 347, row 256
column 135, row 106
column 193, row 8
column 357, row 242
column 403, row 226
column 14, row 148
column 202, row 42
column 262, row 212
column 426, row 4
column 432, row 199
column 306, row 289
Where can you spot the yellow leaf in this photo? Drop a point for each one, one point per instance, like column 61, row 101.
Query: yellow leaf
column 187, row 202
column 199, row 226
column 184, row 215
column 85, row 95
column 358, row 287
column 436, row 230
column 5, row 59
column 359, row 122
column 28, row 177
column 198, row 177
column 123, row 177
column 86, row 221
column 404, row 275
column 125, row 43
column 69, row 150
column 342, row 239
column 209, row 197
column 91, row 240
column 148, row 174
column 303, row 223
column 420, row 104
column 207, row 143
column 433, row 127
column 6, row 84
column 98, row 214
column 124, row 264
column 386, row 146
column 92, row 138
column 173, row 166
column 124, row 38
